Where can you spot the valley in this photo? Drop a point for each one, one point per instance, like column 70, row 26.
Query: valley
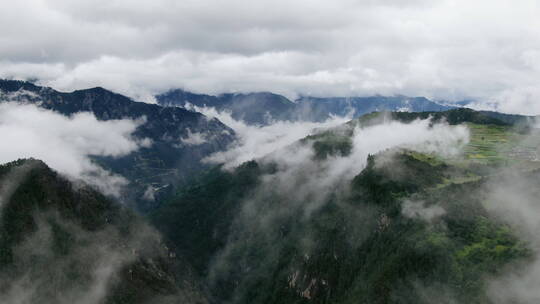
column 389, row 207
column 269, row 152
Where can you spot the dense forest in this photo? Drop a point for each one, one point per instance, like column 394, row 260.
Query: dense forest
column 328, row 219
column 409, row 227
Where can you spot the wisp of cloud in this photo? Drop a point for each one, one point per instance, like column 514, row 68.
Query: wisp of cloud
column 67, row 143
column 257, row 141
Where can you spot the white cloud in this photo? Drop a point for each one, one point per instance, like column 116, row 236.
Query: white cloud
column 194, row 138
column 448, row 49
column 325, row 176
column 279, row 143
column 257, row 141
column 522, row 100
column 65, row 143
column 414, row 209
column 301, row 185
column 513, row 197
column 99, row 256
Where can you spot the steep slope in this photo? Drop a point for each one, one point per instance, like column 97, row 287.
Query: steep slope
column 357, row 248
column 170, row 159
column 66, row 243
column 408, row 227
column 259, row 108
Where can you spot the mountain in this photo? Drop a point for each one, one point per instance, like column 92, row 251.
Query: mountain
column 253, row 108
column 321, row 108
column 182, row 98
column 406, row 227
column 171, row 159
column 263, row 107
column 66, row 243
column 456, row 116
column 321, row 221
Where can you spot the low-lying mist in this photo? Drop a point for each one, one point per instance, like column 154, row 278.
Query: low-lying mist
column 303, row 184
column 257, row 141
column 67, row 143
column 514, row 198
column 64, row 244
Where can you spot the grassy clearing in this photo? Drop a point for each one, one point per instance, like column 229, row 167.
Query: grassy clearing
column 431, row 159
column 491, row 145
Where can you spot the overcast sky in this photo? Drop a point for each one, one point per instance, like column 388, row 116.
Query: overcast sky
column 487, row 50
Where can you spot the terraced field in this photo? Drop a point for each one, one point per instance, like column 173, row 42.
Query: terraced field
column 490, row 144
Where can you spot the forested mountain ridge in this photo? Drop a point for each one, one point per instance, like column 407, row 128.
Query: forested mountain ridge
column 62, row 242
column 408, row 227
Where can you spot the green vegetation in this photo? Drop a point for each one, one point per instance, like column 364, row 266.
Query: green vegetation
column 55, row 237
column 496, row 139
column 356, row 241
column 502, row 145
column 254, row 241
column 198, row 224
column 409, row 227
column 490, row 143
column 330, row 143
column 453, row 117
column 357, row 247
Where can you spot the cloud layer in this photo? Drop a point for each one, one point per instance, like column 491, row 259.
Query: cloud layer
column 447, row 49
column 258, row 141
column 66, row 143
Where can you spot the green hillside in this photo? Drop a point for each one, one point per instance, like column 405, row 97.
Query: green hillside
column 408, row 228
column 62, row 242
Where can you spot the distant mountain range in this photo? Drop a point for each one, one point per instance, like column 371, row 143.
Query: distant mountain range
column 264, row 107
column 170, row 160
column 252, row 108
column 320, row 108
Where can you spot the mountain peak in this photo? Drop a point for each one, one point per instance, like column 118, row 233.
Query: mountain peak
column 168, row 159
